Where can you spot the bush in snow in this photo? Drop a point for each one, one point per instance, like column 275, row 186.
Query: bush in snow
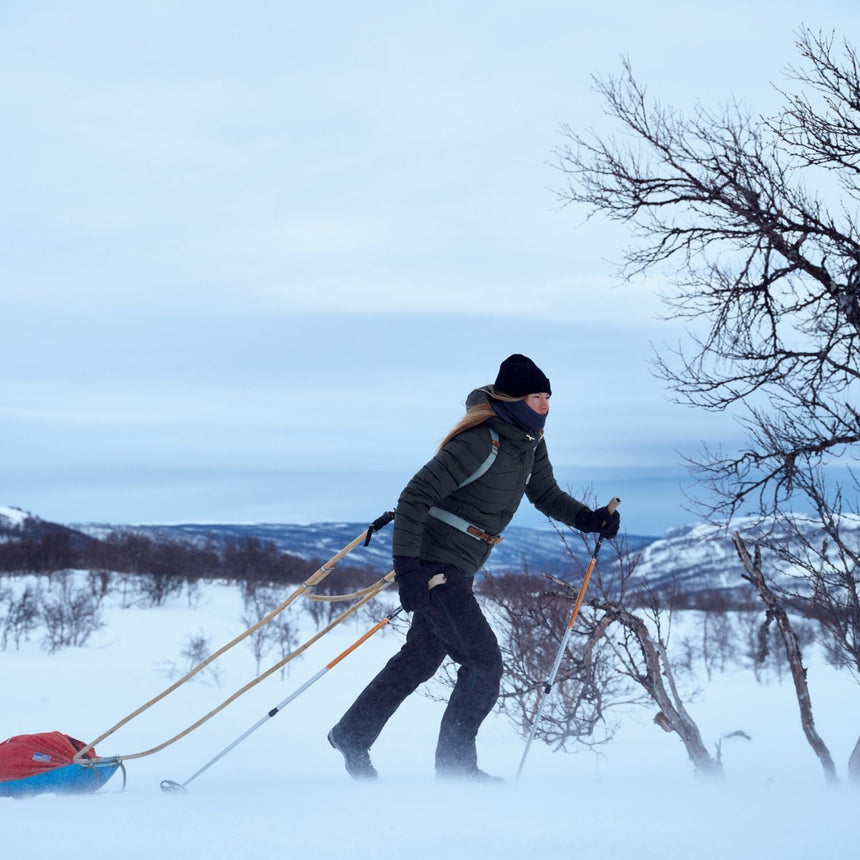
column 69, row 612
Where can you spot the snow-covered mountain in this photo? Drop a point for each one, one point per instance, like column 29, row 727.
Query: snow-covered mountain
column 541, row 550
column 17, row 524
column 688, row 558
column 703, row 557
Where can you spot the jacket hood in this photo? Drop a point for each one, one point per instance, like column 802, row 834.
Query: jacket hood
column 478, row 395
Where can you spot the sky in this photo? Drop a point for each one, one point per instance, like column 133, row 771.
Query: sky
column 254, row 257
column 284, row 791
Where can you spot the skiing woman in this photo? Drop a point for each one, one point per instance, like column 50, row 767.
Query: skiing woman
column 448, row 518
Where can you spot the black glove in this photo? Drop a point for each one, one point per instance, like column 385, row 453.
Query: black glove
column 601, row 521
column 411, row 582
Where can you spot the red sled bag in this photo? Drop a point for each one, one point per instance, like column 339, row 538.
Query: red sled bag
column 27, row 755
column 45, row 762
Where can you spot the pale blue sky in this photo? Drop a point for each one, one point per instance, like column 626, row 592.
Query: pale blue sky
column 254, row 256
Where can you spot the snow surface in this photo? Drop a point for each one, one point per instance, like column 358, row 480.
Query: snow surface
column 283, row 791
column 15, row 516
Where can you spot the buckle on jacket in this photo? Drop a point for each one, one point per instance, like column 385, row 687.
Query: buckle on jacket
column 480, row 534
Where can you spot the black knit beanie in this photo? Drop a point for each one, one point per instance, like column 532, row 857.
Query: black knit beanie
column 519, row 376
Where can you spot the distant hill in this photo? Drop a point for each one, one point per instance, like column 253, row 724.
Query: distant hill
column 688, row 559
column 16, row 524
column 538, row 550
column 701, row 557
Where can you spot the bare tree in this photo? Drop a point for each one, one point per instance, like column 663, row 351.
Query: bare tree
column 643, row 658
column 754, row 222
column 613, row 654
column 258, row 602
column 21, row 614
column 617, row 656
column 720, row 202
column 69, row 612
column 280, row 633
column 854, row 763
column 197, row 648
column 819, row 569
column 530, row 616
column 776, row 612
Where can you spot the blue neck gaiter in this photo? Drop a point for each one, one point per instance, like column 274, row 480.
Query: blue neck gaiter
column 520, row 414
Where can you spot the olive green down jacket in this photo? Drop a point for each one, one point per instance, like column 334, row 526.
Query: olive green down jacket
column 521, row 467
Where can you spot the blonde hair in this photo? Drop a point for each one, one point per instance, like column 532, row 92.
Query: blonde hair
column 478, row 413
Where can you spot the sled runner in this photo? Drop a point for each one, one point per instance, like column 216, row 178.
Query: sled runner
column 45, row 763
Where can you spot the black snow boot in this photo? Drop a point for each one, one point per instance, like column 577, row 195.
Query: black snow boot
column 355, row 758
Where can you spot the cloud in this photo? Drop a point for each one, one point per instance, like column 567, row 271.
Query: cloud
column 317, row 235
column 271, row 236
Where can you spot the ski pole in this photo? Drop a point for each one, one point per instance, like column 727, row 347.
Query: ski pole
column 169, row 785
column 547, row 687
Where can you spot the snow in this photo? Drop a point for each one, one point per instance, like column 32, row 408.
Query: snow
column 14, row 516
column 284, row 790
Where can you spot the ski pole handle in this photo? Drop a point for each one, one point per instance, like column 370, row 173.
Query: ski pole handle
column 611, row 505
column 614, row 502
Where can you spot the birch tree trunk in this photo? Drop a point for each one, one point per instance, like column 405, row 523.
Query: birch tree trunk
column 752, row 566
column 854, row 764
column 672, row 716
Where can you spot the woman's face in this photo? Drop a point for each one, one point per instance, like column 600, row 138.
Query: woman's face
column 539, row 402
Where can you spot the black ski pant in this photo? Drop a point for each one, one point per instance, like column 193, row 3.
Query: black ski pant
column 449, row 623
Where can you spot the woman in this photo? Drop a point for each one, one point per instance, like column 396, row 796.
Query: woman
column 448, row 518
